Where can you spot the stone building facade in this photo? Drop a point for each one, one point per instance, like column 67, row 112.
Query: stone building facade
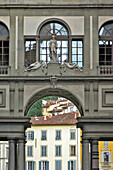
column 82, row 72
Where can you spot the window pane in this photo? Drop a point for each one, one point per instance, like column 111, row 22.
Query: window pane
column 42, row 57
column 77, row 52
column 64, row 43
column 30, row 52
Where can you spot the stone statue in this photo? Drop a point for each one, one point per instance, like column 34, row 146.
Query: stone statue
column 53, row 49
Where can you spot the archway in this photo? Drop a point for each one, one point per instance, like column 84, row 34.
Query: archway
column 55, row 92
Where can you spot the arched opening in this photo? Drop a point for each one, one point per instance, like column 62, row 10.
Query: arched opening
column 55, row 133
column 106, row 44
column 55, row 92
column 4, row 45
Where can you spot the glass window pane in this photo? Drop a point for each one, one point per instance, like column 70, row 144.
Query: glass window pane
column 74, row 50
column 79, row 57
column 79, row 43
column 74, row 58
column 43, row 44
column 79, row 50
column 64, row 43
column 64, row 50
column 80, row 64
column 43, row 57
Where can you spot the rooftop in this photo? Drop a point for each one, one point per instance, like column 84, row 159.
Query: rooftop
column 61, row 119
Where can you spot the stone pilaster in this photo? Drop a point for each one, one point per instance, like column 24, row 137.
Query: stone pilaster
column 21, row 155
column 85, row 154
column 95, row 154
column 12, row 155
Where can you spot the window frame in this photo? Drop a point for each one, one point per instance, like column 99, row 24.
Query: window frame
column 72, row 150
column 58, row 137
column 30, row 135
column 56, row 164
column 43, row 152
column 29, row 150
column 58, row 150
column 82, row 40
column 72, row 131
column 106, row 38
column 45, row 136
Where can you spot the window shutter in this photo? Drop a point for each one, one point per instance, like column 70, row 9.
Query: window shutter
column 39, row 165
column 32, row 135
column 47, row 165
column 33, row 165
column 26, row 165
column 109, row 156
column 102, row 159
column 68, row 165
column 74, row 165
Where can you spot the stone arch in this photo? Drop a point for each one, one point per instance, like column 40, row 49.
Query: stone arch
column 55, row 92
column 54, row 20
column 105, row 23
column 2, row 23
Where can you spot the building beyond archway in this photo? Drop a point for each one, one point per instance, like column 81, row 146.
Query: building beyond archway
column 83, row 72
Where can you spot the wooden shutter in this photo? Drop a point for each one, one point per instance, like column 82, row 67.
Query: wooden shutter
column 26, row 165
column 47, row 165
column 33, row 165
column 39, row 165
column 68, row 165
column 109, row 156
column 74, row 165
column 32, row 135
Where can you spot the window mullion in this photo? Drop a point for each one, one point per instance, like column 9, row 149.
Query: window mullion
column 2, row 53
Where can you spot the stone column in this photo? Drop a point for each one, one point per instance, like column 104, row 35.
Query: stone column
column 95, row 155
column 12, row 155
column 85, row 154
column 21, row 155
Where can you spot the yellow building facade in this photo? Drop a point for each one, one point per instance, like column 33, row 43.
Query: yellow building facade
column 105, row 155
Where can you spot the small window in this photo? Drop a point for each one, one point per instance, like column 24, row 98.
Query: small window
column 58, row 150
column 43, row 165
column 43, row 135
column 29, row 151
column 58, row 165
column 72, row 150
column 71, row 165
column 43, row 150
column 30, row 135
column 106, row 156
column 58, row 134
column 30, row 165
column 30, row 52
column 72, row 134
column 77, row 52
column 105, row 143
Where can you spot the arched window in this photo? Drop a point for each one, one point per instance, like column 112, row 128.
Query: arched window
column 106, row 44
column 4, row 45
column 61, row 35
column 69, row 47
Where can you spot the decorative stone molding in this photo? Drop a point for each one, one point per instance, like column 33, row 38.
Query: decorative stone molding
column 53, row 81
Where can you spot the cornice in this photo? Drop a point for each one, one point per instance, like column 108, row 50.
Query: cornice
column 54, row 6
